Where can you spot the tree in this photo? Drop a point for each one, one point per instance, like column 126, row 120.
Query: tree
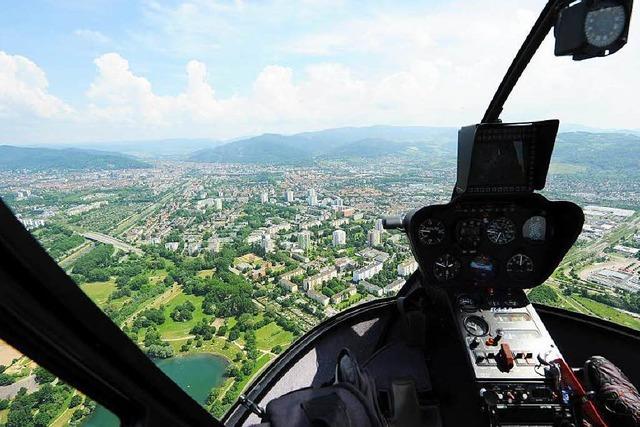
column 157, row 351
column 75, row 401
column 43, row 376
column 6, row 379
column 183, row 312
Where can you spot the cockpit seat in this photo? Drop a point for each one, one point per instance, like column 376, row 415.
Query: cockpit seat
column 391, row 388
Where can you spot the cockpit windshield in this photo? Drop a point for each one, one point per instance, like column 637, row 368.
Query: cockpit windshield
column 214, row 175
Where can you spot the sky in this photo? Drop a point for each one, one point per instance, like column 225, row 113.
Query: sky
column 107, row 70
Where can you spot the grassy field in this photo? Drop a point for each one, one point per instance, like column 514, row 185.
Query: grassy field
column 171, row 329
column 271, row 335
column 99, row 291
column 215, row 346
column 205, row 274
column 609, row 313
column 3, row 416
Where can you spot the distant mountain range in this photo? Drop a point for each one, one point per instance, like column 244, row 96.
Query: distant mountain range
column 599, row 151
column 176, row 148
column 374, row 141
column 34, row 159
column 596, row 151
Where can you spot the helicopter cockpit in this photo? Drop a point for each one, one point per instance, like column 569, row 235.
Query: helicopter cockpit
column 462, row 345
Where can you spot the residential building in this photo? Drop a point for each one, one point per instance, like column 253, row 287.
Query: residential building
column 407, row 267
column 367, row 271
column 288, row 196
column 393, row 287
column 371, row 288
column 339, row 238
column 304, row 240
column 312, row 197
column 316, row 280
column 319, row 297
column 373, row 238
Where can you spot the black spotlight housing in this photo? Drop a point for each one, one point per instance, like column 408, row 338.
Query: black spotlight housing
column 591, row 28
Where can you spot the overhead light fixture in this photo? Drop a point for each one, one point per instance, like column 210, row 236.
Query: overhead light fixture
column 590, row 28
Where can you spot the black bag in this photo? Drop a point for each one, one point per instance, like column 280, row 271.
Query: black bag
column 348, row 402
column 616, row 397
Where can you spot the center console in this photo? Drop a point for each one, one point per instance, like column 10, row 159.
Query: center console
column 506, row 344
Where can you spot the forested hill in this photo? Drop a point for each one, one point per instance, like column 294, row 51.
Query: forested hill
column 305, row 148
column 599, row 151
column 34, row 159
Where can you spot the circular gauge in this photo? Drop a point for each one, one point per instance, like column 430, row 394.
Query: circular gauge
column 535, row 228
column 520, row 266
column 431, row 231
column 501, row 231
column 476, row 326
column 603, row 26
column 467, row 304
column 469, row 233
column 446, row 268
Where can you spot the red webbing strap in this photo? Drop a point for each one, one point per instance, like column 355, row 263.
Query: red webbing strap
column 589, row 410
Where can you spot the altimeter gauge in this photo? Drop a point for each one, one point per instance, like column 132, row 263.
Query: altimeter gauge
column 501, row 231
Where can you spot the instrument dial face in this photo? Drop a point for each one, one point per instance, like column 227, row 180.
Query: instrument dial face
column 603, row 26
column 501, row 231
column 446, row 268
column 469, row 233
column 520, row 266
column 476, row 326
column 432, row 231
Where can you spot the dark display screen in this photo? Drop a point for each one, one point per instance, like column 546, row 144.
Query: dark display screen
column 499, row 164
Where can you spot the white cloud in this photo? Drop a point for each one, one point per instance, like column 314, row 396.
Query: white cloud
column 92, row 36
column 23, row 90
column 437, row 67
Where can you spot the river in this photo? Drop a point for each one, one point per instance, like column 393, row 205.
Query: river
column 197, row 374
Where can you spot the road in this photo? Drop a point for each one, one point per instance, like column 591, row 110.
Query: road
column 103, row 238
column 10, row 391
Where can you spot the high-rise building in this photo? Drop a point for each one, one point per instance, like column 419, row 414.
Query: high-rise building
column 379, row 225
column 373, row 238
column 304, row 240
column 267, row 244
column 337, row 201
column 339, row 238
column 218, row 204
column 312, row 197
column 288, row 196
column 264, row 197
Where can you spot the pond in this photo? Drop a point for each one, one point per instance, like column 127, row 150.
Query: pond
column 197, row 374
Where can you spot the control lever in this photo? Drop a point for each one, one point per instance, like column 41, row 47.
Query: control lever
column 505, row 358
column 392, row 222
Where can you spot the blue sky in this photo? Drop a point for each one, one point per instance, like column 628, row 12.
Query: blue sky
column 96, row 70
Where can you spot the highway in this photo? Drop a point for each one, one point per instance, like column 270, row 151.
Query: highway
column 103, row 238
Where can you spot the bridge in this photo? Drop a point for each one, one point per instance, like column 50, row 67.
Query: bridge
column 103, row 238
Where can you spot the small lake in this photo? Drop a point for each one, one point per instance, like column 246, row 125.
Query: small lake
column 197, row 374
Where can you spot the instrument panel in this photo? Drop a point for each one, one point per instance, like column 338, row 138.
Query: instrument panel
column 505, row 242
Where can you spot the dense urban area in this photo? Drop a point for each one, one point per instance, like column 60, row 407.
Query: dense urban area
column 238, row 261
